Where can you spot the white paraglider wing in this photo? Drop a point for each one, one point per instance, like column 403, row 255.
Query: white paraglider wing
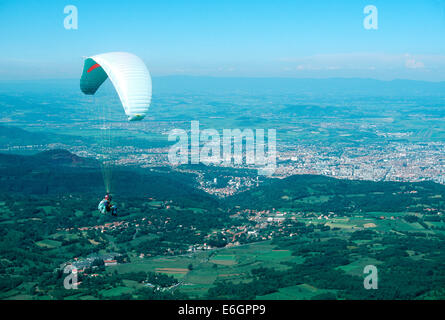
column 130, row 78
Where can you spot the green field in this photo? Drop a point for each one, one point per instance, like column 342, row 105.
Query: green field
column 298, row 292
column 49, row 244
column 232, row 264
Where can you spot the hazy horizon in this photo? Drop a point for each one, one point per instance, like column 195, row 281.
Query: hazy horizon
column 317, row 39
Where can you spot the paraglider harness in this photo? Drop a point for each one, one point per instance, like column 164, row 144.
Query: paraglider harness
column 106, row 206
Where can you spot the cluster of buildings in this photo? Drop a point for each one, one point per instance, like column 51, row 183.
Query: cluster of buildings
column 395, row 161
column 391, row 161
column 80, row 265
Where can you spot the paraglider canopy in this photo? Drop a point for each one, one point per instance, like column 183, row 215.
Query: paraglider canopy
column 130, row 78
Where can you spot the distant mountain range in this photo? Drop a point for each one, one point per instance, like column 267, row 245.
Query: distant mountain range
column 204, row 85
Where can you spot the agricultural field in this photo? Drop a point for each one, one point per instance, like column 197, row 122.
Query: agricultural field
column 298, row 292
column 198, row 271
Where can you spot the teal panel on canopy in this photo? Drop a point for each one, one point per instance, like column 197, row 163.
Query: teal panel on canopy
column 92, row 77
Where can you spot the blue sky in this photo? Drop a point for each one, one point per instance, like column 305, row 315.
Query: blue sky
column 318, row 38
